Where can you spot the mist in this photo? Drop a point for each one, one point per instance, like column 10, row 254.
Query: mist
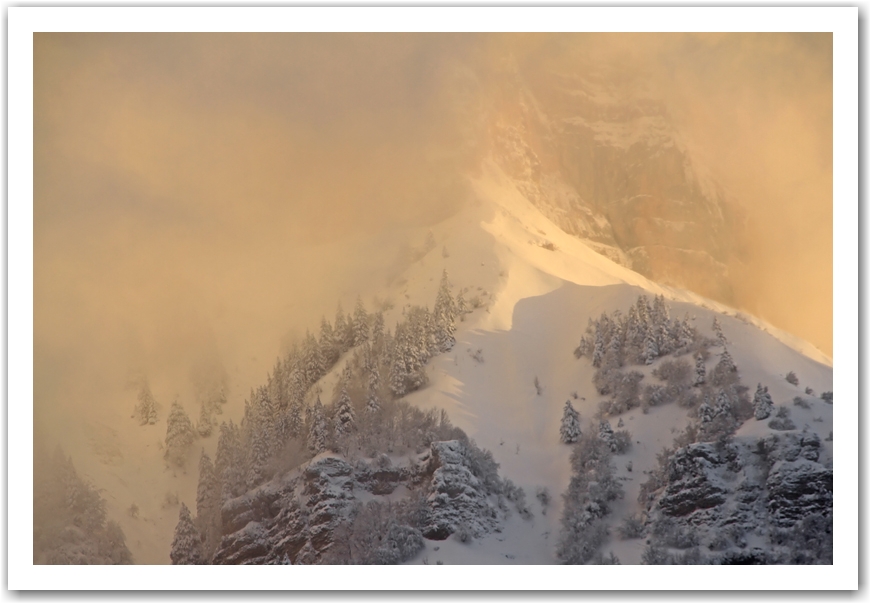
column 197, row 197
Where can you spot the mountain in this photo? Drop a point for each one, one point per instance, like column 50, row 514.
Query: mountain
column 484, row 483
column 692, row 465
column 600, row 155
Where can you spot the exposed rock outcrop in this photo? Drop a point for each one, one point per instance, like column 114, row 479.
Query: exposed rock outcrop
column 777, row 489
column 297, row 517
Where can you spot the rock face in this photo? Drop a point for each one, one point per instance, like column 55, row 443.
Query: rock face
column 297, row 517
column 456, row 497
column 778, row 489
column 693, row 483
column 602, row 158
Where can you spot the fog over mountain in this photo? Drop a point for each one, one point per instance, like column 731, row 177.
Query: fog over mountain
column 202, row 200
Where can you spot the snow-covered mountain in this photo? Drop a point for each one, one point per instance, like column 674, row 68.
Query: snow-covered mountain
column 600, row 155
column 531, row 290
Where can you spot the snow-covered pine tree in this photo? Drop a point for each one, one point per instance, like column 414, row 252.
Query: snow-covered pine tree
column 329, row 351
column 660, row 310
column 605, row 434
column 762, row 403
column 461, row 306
column 700, row 371
column 569, row 431
column 360, row 323
column 179, row 435
column 727, row 363
column 663, row 338
column 705, row 410
column 259, row 452
column 208, row 505
column 378, row 333
column 313, row 362
column 342, row 330
column 613, row 358
column 187, row 543
column 598, row 350
column 686, row 336
column 345, row 419
column 717, row 330
column 229, row 461
column 373, row 402
column 206, row 422
column 318, row 433
column 146, row 409
column 445, row 316
column 650, row 347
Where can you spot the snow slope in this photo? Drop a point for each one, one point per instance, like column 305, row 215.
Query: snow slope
column 536, row 287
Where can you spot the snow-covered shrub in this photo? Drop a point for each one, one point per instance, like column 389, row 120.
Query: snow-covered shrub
column 782, row 421
column 674, row 372
column 623, row 386
column 798, row 401
column 792, row 378
column 621, row 441
column 632, row 527
column 609, row 559
column 463, row 534
column 653, row 395
column 543, row 496
column 672, row 535
column 827, row 397
column 655, row 554
column 809, row 391
column 691, row 557
column 482, row 465
column 516, row 495
column 377, row 533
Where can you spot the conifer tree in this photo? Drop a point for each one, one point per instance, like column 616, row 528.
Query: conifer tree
column 462, row 306
column 318, row 433
column 717, row 329
column 598, row 350
column 146, row 409
column 614, row 354
column 345, row 419
column 445, row 316
column 605, row 434
column 373, row 402
column 208, row 505
column 378, row 333
column 700, row 371
column 360, row 323
column 762, row 403
column 651, row 348
column 569, row 431
column 329, row 351
column 686, row 335
column 179, row 435
column 228, row 465
column 187, row 543
column 341, row 331
column 205, row 423
column 313, row 361
column 727, row 363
